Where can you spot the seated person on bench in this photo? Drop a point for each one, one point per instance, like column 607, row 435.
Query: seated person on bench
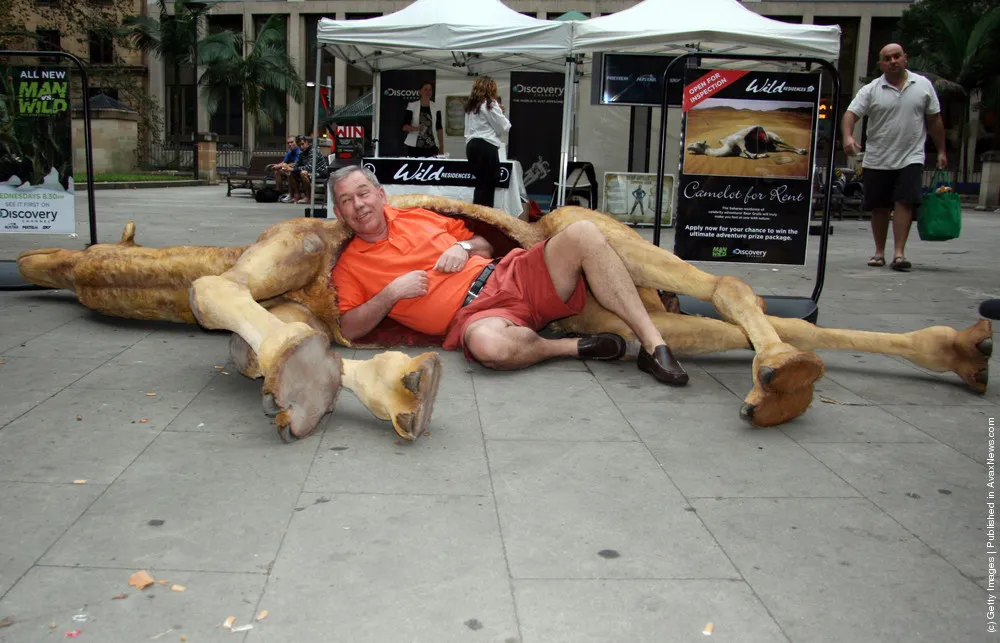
column 284, row 170
column 303, row 167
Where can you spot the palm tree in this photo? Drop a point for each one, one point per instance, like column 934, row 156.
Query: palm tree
column 173, row 37
column 264, row 77
column 957, row 50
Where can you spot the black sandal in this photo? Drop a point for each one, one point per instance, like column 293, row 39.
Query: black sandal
column 901, row 264
column 876, row 262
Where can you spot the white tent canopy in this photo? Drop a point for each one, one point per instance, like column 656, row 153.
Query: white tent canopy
column 719, row 26
column 459, row 36
column 474, row 37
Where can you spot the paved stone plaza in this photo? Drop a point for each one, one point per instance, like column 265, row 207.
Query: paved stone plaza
column 570, row 502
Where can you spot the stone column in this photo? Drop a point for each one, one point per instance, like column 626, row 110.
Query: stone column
column 339, row 92
column 861, row 55
column 201, row 115
column 158, row 86
column 205, row 143
column 989, row 184
column 297, row 50
column 250, row 122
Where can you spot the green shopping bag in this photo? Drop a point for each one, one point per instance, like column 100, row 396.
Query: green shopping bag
column 940, row 217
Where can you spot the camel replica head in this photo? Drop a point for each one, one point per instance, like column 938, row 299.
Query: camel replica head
column 276, row 298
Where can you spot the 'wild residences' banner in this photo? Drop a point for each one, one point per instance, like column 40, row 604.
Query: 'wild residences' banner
column 36, row 152
column 745, row 192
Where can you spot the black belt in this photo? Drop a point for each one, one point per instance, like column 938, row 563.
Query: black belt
column 480, row 281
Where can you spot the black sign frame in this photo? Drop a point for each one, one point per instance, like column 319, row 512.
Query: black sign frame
column 824, row 228
column 430, row 171
column 642, row 87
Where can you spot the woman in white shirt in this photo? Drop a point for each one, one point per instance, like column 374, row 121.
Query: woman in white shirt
column 485, row 123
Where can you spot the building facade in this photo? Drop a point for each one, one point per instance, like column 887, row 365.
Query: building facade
column 865, row 27
column 59, row 25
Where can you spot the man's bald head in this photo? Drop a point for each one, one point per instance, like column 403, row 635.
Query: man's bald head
column 892, row 60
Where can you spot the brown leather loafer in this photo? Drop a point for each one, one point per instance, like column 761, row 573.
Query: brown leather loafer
column 663, row 366
column 602, row 346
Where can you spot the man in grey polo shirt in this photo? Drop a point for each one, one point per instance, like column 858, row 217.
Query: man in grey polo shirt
column 902, row 107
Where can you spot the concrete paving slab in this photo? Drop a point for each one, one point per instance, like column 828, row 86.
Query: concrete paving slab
column 843, row 423
column 229, row 403
column 534, row 405
column 709, row 454
column 62, row 454
column 25, row 320
column 596, row 510
column 858, row 575
column 915, row 388
column 578, row 611
column 25, row 382
column 366, row 455
column 83, row 338
column 374, row 568
column 627, row 385
column 937, row 494
column 161, row 362
column 34, row 517
column 964, row 429
column 58, row 594
column 194, row 501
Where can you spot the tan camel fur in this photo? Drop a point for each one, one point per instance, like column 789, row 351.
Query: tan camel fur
column 275, row 295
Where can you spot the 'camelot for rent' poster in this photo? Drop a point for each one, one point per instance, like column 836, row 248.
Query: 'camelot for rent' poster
column 745, row 192
column 36, row 151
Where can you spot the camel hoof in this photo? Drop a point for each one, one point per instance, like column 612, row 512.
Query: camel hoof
column 983, row 376
column 423, row 384
column 746, row 412
column 271, row 407
column 302, row 386
column 766, row 374
column 411, row 382
column 986, row 347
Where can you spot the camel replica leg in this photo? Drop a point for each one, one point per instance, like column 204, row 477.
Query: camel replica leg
column 302, row 375
column 394, row 386
column 784, row 370
column 287, row 345
column 783, row 376
column 938, row 348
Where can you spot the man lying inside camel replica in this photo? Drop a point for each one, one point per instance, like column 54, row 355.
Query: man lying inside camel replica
column 277, row 297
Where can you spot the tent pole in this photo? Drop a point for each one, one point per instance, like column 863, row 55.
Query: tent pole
column 376, row 93
column 576, row 116
column 564, row 141
column 315, row 137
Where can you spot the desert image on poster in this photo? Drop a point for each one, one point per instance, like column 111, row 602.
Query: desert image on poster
column 732, row 137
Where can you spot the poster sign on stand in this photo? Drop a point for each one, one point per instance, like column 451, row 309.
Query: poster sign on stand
column 630, row 197
column 36, row 152
column 536, row 112
column 745, row 190
column 400, row 87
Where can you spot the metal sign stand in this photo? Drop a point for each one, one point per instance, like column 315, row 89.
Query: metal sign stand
column 787, row 306
column 10, row 279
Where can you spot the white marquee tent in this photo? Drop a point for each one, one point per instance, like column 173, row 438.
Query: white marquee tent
column 458, row 36
column 719, row 26
column 473, row 37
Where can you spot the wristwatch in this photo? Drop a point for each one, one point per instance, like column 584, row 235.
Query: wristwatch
column 465, row 245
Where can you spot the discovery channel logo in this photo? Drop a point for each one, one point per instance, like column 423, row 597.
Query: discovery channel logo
column 537, row 90
column 408, row 94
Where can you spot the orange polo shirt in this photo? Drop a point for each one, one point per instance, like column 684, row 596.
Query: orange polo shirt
column 417, row 239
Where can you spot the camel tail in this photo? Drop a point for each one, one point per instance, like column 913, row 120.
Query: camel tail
column 126, row 279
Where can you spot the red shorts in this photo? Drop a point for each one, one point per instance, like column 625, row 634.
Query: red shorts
column 519, row 290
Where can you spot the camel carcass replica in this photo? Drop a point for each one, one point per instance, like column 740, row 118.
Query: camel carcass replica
column 276, row 297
